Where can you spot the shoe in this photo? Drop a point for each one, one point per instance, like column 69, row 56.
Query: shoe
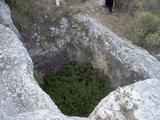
column 110, row 10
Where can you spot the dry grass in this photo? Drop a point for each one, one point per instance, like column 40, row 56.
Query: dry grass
column 74, row 7
column 118, row 22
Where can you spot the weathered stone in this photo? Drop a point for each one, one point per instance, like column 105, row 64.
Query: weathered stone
column 128, row 62
column 46, row 36
column 52, row 39
column 21, row 98
column 157, row 56
column 101, row 2
column 5, row 17
column 19, row 91
column 139, row 101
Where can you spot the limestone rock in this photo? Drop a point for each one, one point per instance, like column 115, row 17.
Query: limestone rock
column 5, row 17
column 21, row 98
column 139, row 101
column 19, row 91
column 46, row 36
column 101, row 2
column 128, row 62
column 157, row 56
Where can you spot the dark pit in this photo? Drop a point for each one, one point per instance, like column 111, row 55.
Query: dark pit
column 78, row 89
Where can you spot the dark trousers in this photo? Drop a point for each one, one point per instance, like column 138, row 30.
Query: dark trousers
column 109, row 4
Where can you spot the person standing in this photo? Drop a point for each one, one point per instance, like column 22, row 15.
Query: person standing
column 110, row 4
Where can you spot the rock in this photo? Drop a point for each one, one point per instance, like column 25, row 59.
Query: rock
column 46, row 36
column 19, row 91
column 101, row 2
column 21, row 98
column 5, row 17
column 139, row 101
column 55, row 40
column 128, row 63
column 157, row 56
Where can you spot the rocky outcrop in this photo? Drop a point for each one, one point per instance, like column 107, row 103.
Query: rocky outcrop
column 46, row 36
column 139, row 101
column 5, row 17
column 54, row 40
column 127, row 62
column 79, row 38
column 49, row 40
column 19, row 92
column 101, row 2
column 21, row 98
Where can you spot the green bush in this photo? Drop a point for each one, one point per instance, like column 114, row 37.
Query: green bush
column 153, row 40
column 77, row 90
column 18, row 3
column 144, row 22
column 130, row 6
column 145, row 30
column 134, row 6
column 152, row 6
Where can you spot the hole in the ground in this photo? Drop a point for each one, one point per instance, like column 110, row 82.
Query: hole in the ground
column 78, row 89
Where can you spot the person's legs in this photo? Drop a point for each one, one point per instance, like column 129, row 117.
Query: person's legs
column 110, row 5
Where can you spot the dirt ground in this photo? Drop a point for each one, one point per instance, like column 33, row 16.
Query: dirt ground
column 115, row 21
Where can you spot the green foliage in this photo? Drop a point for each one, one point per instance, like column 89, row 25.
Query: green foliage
column 152, row 6
column 71, row 7
column 153, row 40
column 145, row 30
column 133, row 6
column 129, row 6
column 144, row 24
column 18, row 3
column 83, row 30
column 77, row 90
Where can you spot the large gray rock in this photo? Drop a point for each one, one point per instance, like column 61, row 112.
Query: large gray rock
column 139, row 101
column 19, row 91
column 127, row 62
column 54, row 40
column 5, row 17
column 45, row 35
column 21, row 98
